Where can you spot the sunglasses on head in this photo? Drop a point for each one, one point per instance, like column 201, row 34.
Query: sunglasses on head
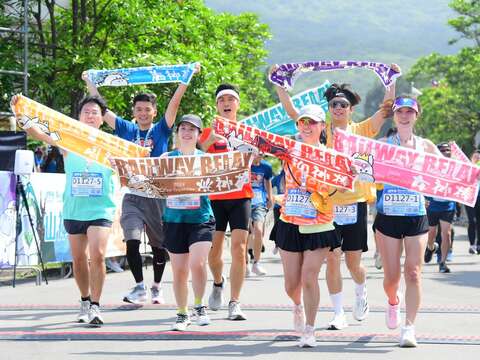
column 342, row 103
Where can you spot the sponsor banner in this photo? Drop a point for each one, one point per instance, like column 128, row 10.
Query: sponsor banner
column 74, row 136
column 286, row 74
column 143, row 75
column 457, row 153
column 430, row 174
column 204, row 174
column 320, row 164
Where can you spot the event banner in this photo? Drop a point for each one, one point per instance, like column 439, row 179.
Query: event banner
column 429, row 174
column 276, row 120
column 143, row 75
column 44, row 194
column 320, row 164
column 286, row 74
column 74, row 136
column 457, row 153
column 204, row 174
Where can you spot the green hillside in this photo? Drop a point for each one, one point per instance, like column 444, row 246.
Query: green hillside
column 400, row 32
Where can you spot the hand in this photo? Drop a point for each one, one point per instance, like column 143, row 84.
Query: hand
column 198, row 67
column 395, row 68
column 386, row 108
column 14, row 100
column 85, row 76
column 269, row 203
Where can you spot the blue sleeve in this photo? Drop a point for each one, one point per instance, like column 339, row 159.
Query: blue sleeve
column 160, row 134
column 268, row 171
column 125, row 129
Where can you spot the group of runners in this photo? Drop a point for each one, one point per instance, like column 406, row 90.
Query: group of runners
column 315, row 224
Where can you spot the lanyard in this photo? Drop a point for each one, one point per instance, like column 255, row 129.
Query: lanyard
column 147, row 136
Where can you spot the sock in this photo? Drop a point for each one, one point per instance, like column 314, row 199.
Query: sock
column 219, row 285
column 360, row 288
column 182, row 310
column 86, row 298
column 95, row 303
column 141, row 283
column 155, row 285
column 135, row 260
column 160, row 257
column 337, row 302
column 198, row 302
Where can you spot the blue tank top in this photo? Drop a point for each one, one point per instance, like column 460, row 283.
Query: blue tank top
column 397, row 201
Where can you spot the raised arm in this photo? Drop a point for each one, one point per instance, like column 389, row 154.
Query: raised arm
column 285, row 98
column 174, row 104
column 385, row 108
column 109, row 116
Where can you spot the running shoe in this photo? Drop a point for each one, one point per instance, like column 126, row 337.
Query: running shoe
column 392, row 314
column 429, row 253
column 472, row 250
column 138, row 295
column 235, row 312
column 275, row 250
column 182, row 322
column 307, row 340
column 407, row 337
column 248, row 272
column 113, row 265
column 298, row 318
column 258, row 269
column 82, row 316
column 361, row 308
column 339, row 322
column 94, row 317
column 200, row 315
column 156, row 294
column 443, row 268
column 216, row 300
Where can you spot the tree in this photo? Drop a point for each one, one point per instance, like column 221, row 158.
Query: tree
column 113, row 34
column 451, row 110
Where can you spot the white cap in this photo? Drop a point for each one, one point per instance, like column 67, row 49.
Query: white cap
column 312, row 111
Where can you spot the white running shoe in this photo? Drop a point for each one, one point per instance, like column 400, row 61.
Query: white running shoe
column 298, row 318
column 182, row 322
column 156, row 294
column 307, row 340
column 216, row 299
column 201, row 316
column 258, row 269
column 113, row 265
column 82, row 316
column 138, row 295
column 235, row 312
column 247, row 270
column 392, row 314
column 407, row 337
column 94, row 317
column 339, row 322
column 361, row 308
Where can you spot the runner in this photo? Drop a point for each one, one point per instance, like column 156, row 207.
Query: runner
column 261, row 175
column 403, row 224
column 278, row 186
column 88, row 212
column 473, row 214
column 139, row 212
column 189, row 228
column 440, row 212
column 351, row 207
column 305, row 235
column 230, row 209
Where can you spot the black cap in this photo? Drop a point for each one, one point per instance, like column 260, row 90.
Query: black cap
column 191, row 119
column 344, row 91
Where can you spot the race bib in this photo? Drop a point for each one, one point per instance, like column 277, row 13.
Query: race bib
column 257, row 197
column 345, row 214
column 401, row 202
column 298, row 204
column 87, row 184
column 183, row 202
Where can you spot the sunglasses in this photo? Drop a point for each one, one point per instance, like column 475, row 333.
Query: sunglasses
column 342, row 103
